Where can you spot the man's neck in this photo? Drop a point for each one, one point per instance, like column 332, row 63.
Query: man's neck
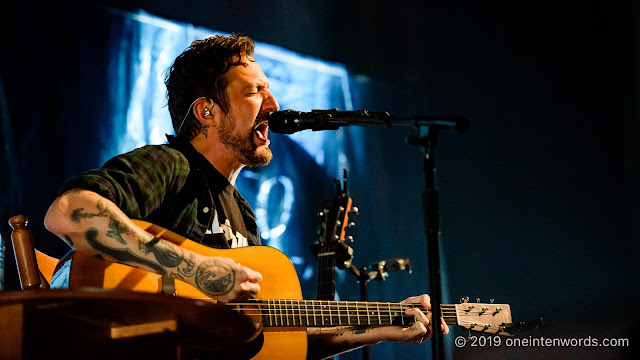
column 223, row 159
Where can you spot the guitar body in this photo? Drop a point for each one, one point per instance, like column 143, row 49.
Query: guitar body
column 285, row 323
column 280, row 281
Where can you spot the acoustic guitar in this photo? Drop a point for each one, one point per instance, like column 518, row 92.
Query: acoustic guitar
column 330, row 249
column 280, row 314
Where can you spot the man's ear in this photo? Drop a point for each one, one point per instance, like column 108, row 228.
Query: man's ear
column 206, row 111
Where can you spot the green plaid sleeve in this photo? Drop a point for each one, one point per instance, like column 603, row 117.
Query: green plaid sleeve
column 138, row 181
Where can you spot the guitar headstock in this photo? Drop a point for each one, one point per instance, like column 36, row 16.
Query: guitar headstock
column 487, row 318
column 335, row 220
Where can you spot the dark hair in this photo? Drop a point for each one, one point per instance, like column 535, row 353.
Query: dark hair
column 201, row 71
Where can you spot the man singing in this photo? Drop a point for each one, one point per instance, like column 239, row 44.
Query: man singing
column 219, row 100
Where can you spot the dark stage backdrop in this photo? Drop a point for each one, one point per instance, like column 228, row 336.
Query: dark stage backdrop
column 539, row 200
column 110, row 98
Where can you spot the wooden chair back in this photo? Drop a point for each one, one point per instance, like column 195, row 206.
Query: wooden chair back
column 34, row 267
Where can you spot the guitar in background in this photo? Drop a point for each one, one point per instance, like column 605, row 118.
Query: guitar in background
column 331, row 249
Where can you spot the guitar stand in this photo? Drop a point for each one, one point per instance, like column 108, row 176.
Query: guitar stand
column 380, row 271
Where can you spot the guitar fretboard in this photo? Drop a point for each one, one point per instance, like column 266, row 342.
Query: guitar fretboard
column 326, row 274
column 317, row 313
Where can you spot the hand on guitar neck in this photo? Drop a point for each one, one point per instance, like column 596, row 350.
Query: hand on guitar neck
column 421, row 329
column 94, row 225
column 327, row 342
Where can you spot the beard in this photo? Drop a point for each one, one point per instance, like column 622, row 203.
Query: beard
column 242, row 144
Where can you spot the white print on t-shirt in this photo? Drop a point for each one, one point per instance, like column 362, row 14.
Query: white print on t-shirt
column 237, row 239
column 215, row 225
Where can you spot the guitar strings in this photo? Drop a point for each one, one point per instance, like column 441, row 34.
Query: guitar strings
column 305, row 312
column 339, row 306
column 326, row 273
column 341, row 309
column 336, row 305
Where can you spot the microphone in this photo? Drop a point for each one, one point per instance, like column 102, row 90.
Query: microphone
column 291, row 121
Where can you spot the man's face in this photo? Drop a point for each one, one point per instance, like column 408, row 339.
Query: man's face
column 244, row 129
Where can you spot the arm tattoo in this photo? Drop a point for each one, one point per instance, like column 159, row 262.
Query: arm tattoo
column 152, row 243
column 67, row 238
column 354, row 331
column 215, row 278
column 340, row 332
column 79, row 214
column 117, row 229
column 327, row 347
column 168, row 255
column 212, row 277
column 188, row 270
column 122, row 255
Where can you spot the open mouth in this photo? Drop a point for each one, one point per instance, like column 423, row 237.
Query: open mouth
column 262, row 131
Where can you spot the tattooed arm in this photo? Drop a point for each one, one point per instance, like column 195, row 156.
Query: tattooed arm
column 93, row 224
column 327, row 342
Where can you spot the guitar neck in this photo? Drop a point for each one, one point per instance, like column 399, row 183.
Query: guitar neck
column 318, row 313
column 326, row 274
column 335, row 219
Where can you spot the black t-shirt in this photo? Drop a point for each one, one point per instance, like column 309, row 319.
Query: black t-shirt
column 227, row 223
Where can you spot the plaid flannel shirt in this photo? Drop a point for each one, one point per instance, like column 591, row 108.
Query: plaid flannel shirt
column 169, row 185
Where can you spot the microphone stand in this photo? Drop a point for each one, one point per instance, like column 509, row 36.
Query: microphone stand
column 290, row 121
column 432, row 230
